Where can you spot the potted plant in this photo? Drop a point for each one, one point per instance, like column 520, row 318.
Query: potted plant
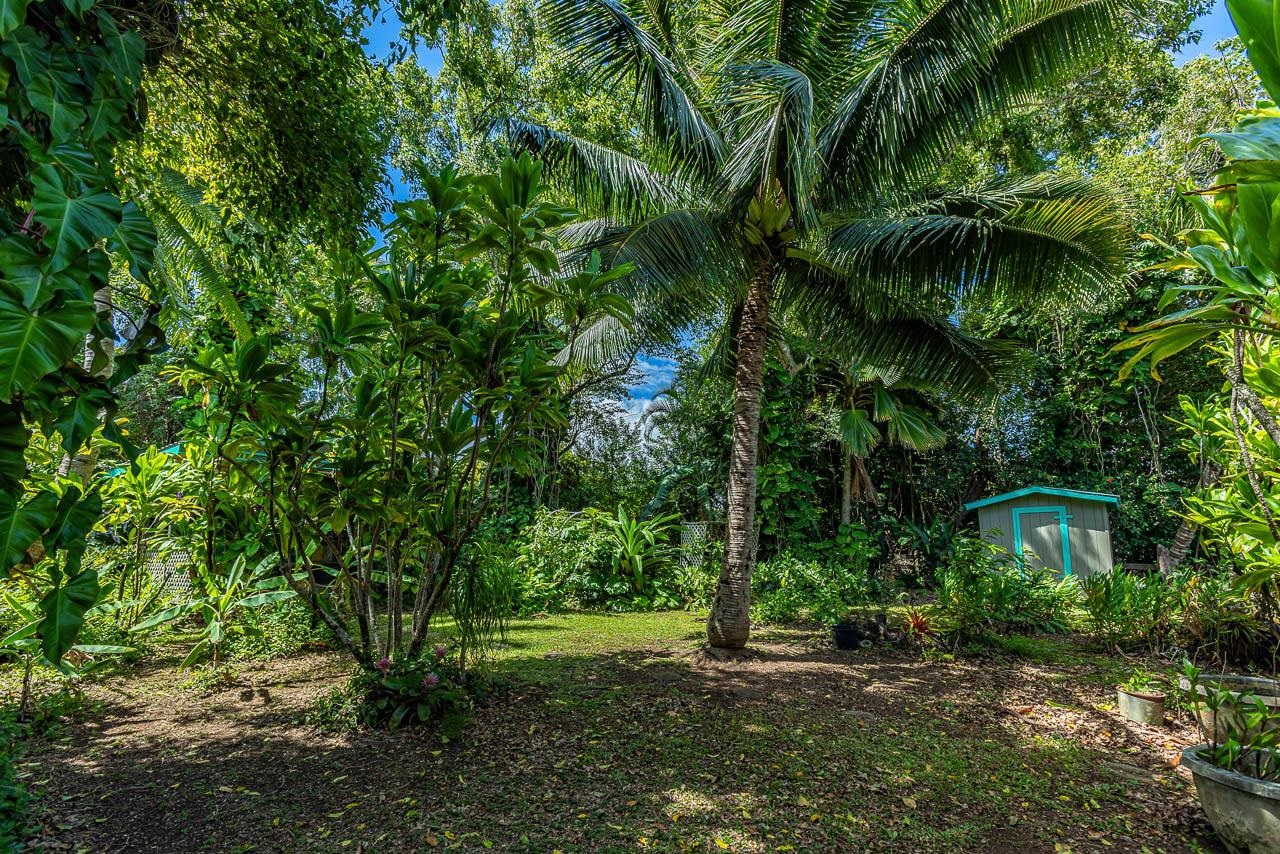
column 1234, row 696
column 1237, row 779
column 1139, row 700
column 847, row 633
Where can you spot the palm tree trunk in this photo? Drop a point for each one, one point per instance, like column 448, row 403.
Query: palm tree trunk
column 729, row 625
column 846, row 487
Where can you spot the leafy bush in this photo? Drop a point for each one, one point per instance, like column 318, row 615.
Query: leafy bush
column 567, row 562
column 432, row 690
column 1123, row 608
column 592, row 560
column 981, row 588
column 1221, row 622
column 276, row 631
column 789, row 589
column 13, row 795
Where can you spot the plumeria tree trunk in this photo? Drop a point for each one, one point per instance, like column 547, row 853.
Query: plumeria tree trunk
column 729, row 625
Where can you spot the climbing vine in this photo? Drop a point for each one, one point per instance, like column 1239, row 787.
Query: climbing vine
column 71, row 71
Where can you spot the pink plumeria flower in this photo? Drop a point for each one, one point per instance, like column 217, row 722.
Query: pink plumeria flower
column 430, row 680
column 440, row 651
column 383, row 665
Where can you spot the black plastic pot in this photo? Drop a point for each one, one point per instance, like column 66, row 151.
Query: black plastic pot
column 846, row 637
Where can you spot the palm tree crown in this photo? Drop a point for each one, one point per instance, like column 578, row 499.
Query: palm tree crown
column 792, row 157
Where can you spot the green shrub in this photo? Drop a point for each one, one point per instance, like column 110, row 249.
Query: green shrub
column 1122, row 608
column 13, row 794
column 1221, row 622
column 276, row 631
column 432, row 690
column 593, row 560
column 981, row 587
column 789, row 589
column 567, row 562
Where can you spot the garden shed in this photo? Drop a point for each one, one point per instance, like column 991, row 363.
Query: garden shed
column 1067, row 531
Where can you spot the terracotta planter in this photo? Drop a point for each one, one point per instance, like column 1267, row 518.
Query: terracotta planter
column 1244, row 810
column 1140, row 706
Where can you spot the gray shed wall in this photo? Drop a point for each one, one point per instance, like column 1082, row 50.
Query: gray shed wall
column 1088, row 528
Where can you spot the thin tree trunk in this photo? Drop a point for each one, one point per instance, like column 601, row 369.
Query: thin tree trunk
column 729, row 624
column 1169, row 559
column 83, row 463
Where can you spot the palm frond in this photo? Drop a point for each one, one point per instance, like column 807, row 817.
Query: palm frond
column 604, row 39
column 602, row 180
column 935, row 70
column 684, row 268
column 1044, row 239
column 769, row 106
column 188, row 228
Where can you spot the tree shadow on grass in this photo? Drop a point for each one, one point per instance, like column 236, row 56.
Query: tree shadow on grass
column 658, row 749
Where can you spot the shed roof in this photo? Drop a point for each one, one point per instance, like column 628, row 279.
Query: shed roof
column 1078, row 494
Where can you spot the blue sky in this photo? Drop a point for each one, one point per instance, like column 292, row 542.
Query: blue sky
column 658, row 372
column 1215, row 26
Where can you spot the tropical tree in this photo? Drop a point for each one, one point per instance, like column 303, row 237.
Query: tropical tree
column 872, row 406
column 792, row 154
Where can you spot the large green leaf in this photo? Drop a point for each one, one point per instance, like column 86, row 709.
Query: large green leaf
column 75, row 221
column 124, row 54
column 1256, row 137
column 30, row 53
column 20, row 265
column 33, row 346
column 1260, row 210
column 12, row 14
column 22, row 525
column 63, row 608
column 55, row 96
column 78, row 418
column 13, row 446
column 1256, row 22
column 75, row 519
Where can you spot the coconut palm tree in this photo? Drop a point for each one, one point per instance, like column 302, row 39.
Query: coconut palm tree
column 793, row 149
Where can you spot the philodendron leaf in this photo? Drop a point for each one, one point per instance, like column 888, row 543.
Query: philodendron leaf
column 76, row 517
column 13, row 447
column 63, row 608
column 21, row 525
column 77, row 218
column 12, row 14
column 32, row 346
column 80, row 417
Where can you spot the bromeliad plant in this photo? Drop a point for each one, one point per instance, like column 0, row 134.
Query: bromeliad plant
column 435, row 372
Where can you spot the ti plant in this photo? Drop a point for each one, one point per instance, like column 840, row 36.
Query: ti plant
column 219, row 601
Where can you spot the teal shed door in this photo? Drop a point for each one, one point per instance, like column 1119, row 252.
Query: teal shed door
column 1040, row 536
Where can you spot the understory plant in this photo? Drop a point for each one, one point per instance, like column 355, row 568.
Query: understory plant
column 434, row 689
column 1252, row 743
column 790, row 589
column 219, row 600
column 1123, row 608
column 981, row 588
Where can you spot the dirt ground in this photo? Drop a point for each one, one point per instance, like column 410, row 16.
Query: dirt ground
column 794, row 747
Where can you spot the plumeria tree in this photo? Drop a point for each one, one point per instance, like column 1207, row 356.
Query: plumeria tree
column 434, row 372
